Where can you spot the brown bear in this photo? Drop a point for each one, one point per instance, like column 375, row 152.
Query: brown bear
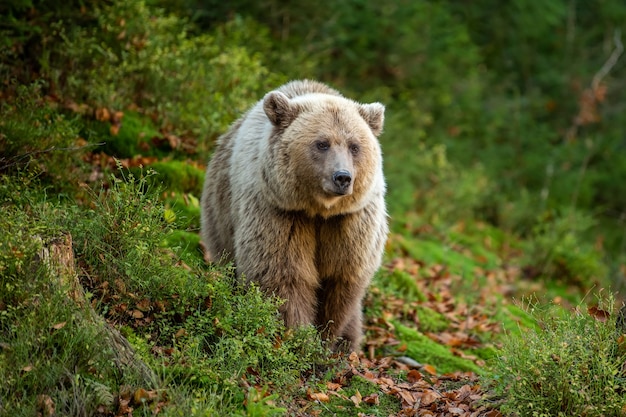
column 294, row 194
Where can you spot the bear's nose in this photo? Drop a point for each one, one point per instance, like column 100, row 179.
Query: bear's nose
column 342, row 179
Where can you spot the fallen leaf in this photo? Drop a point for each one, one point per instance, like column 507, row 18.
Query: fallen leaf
column 356, row 398
column 372, row 399
column 318, row 396
column 598, row 314
column 103, row 114
column 59, row 326
column 413, row 375
column 430, row 369
column 144, row 305
column 333, row 386
column 407, row 397
column 429, row 397
column 45, row 405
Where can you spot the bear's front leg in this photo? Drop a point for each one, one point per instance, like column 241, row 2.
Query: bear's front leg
column 349, row 251
column 276, row 249
column 339, row 312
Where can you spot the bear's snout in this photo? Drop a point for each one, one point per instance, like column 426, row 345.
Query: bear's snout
column 342, row 180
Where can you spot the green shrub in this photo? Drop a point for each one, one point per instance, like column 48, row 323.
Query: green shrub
column 138, row 54
column 559, row 250
column 34, row 135
column 121, row 240
column 569, row 366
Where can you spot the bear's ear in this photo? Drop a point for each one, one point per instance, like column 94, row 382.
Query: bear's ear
column 278, row 109
column 374, row 115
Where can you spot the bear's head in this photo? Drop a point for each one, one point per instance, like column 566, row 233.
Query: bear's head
column 324, row 155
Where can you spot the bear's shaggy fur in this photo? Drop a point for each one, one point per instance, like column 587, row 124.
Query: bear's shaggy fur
column 295, row 195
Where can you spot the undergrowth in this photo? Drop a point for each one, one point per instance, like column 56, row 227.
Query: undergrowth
column 199, row 331
column 571, row 365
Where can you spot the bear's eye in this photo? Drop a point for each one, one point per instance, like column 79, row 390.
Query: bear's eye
column 322, row 145
column 354, row 148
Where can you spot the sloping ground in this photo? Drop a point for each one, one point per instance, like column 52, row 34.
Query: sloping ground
column 434, row 311
column 434, row 314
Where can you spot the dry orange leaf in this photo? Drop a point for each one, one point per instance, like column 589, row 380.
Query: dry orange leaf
column 318, row 396
column 45, row 405
column 429, row 397
column 413, row 375
column 333, row 386
column 372, row 399
column 430, row 369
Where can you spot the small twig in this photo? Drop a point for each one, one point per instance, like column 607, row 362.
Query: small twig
column 6, row 163
column 595, row 83
column 610, row 62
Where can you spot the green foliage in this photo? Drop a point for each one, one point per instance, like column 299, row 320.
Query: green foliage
column 569, row 366
column 133, row 138
column 34, row 135
column 150, row 59
column 488, row 120
column 121, row 237
column 178, row 175
column 437, row 189
column 122, row 53
column 48, row 344
column 215, row 333
column 241, row 334
column 558, row 250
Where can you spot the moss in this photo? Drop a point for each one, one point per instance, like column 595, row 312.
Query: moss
column 405, row 285
column 430, row 320
column 424, row 350
column 514, row 317
column 433, row 252
column 486, row 352
column 179, row 176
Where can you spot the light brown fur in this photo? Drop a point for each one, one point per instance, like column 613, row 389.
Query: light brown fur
column 274, row 202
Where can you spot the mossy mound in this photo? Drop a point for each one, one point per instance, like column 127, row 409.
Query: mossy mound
column 424, row 350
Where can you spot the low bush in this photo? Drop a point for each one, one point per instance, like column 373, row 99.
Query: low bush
column 571, row 365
